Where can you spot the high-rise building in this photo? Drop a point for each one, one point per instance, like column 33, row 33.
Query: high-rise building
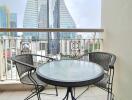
column 7, row 20
column 13, row 23
column 35, row 16
column 31, row 18
column 4, row 19
column 61, row 18
column 42, row 18
column 54, row 38
column 66, row 21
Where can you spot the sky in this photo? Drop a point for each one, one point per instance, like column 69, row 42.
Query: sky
column 86, row 13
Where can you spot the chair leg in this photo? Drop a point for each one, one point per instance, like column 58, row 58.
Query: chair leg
column 56, row 90
column 74, row 90
column 82, row 92
column 108, row 95
column 111, row 95
column 30, row 96
column 38, row 96
column 36, row 92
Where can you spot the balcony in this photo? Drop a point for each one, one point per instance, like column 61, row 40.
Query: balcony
column 68, row 48
column 116, row 21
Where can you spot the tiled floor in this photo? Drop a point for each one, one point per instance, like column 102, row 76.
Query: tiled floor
column 93, row 93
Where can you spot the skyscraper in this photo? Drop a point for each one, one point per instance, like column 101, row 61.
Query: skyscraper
column 54, row 22
column 35, row 16
column 61, row 18
column 42, row 18
column 7, row 20
column 31, row 18
column 66, row 21
column 4, row 19
column 13, row 23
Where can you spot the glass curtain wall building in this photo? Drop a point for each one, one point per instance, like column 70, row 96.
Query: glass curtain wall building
column 54, row 22
column 13, row 23
column 7, row 20
column 35, row 16
column 4, row 19
column 31, row 18
column 42, row 18
column 60, row 18
column 66, row 21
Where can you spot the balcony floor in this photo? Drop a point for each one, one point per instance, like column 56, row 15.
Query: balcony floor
column 93, row 93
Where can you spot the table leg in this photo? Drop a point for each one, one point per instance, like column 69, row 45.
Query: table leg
column 69, row 90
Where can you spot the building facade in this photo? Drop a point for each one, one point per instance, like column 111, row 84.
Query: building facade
column 13, row 23
column 4, row 19
column 43, row 19
column 60, row 18
column 31, row 18
column 66, row 21
column 7, row 20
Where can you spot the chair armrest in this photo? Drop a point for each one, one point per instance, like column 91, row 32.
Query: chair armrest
column 111, row 66
column 113, row 59
column 44, row 56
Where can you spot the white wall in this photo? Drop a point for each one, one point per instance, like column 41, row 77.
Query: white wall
column 117, row 22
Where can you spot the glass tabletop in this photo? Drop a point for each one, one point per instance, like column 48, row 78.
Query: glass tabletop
column 69, row 71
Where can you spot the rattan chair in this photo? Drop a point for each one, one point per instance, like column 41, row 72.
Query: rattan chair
column 26, row 66
column 106, row 60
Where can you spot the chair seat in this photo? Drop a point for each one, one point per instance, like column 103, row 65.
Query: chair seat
column 25, row 79
column 103, row 82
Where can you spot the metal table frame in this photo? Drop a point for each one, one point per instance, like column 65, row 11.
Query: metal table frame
column 69, row 84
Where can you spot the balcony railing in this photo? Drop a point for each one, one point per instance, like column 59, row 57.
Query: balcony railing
column 68, row 48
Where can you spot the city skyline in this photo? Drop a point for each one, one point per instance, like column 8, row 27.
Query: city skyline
column 86, row 13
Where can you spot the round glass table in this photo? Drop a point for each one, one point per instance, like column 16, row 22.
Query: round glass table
column 70, row 73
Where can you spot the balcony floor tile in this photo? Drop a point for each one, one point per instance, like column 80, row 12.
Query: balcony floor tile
column 93, row 93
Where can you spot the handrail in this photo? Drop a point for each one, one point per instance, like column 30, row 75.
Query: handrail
column 49, row 30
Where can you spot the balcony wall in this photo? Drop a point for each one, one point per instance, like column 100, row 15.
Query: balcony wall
column 116, row 20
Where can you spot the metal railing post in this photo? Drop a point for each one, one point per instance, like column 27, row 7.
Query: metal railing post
column 94, row 39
